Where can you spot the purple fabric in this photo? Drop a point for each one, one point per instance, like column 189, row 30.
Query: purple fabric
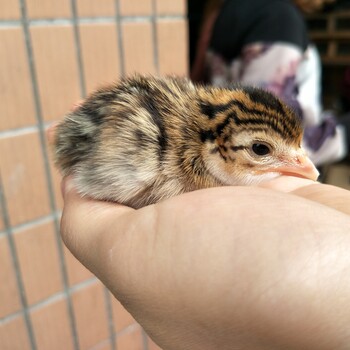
column 316, row 135
column 287, row 91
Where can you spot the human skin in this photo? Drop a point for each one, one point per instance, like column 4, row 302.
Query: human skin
column 225, row 268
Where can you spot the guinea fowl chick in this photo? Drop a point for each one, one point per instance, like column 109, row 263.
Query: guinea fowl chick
column 145, row 139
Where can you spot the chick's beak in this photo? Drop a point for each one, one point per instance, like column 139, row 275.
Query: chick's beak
column 301, row 166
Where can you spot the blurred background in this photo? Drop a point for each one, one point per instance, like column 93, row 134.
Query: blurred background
column 52, row 54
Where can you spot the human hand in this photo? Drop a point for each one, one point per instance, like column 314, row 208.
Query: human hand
column 331, row 196
column 225, row 268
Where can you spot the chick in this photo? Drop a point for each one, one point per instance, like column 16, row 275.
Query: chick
column 145, row 139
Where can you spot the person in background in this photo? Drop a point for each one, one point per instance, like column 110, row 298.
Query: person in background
column 265, row 43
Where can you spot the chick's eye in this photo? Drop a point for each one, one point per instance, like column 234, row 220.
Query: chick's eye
column 260, row 149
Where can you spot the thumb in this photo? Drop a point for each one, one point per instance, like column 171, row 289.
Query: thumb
column 87, row 225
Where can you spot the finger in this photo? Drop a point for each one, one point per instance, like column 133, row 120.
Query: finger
column 331, row 196
column 86, row 224
column 287, row 183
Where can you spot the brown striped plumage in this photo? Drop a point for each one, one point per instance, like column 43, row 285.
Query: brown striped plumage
column 145, row 139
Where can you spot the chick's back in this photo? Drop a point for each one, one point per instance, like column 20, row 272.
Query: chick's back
column 119, row 143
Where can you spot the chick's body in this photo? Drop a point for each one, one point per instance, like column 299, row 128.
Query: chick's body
column 145, row 139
